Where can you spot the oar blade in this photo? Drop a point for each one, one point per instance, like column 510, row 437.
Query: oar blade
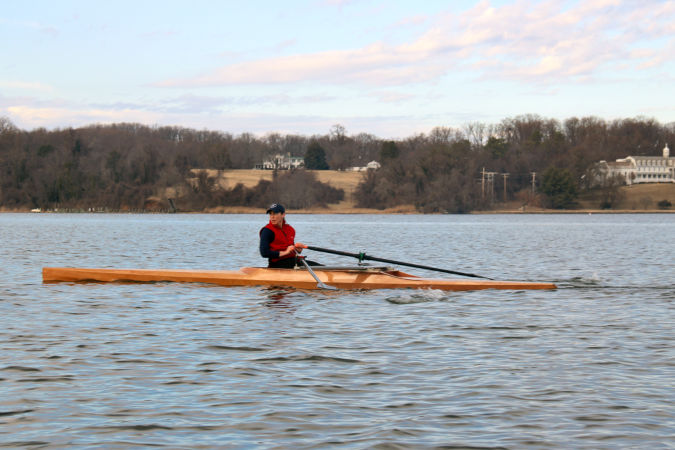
column 319, row 284
column 322, row 285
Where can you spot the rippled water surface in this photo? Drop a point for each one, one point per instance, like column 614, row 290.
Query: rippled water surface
column 590, row 365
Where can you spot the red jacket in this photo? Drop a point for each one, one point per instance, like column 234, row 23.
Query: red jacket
column 283, row 237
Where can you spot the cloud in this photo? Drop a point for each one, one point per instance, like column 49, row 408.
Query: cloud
column 539, row 40
column 32, row 25
column 31, row 112
column 158, row 34
column 30, row 117
column 338, row 3
column 548, row 41
column 389, row 96
column 416, row 20
column 188, row 110
column 376, row 62
column 34, row 116
column 25, row 85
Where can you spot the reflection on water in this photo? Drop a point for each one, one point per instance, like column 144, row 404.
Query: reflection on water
column 179, row 365
column 279, row 297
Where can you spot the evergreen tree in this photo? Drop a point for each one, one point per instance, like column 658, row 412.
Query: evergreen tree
column 315, row 157
column 559, row 186
column 388, row 150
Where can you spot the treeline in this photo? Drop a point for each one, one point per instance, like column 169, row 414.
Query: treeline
column 130, row 166
column 126, row 165
column 459, row 170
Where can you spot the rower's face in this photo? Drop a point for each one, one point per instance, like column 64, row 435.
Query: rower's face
column 277, row 218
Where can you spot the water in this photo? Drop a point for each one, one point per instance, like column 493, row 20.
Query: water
column 590, row 365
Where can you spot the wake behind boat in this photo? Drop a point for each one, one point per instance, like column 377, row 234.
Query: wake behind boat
column 356, row 277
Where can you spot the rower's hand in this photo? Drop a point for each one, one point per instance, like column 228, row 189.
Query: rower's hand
column 289, row 250
column 299, row 246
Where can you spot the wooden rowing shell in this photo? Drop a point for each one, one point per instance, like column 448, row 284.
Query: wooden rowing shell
column 344, row 278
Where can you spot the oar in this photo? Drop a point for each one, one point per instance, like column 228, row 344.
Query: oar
column 320, row 284
column 361, row 256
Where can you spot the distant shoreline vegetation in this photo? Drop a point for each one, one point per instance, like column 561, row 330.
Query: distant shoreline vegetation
column 527, row 160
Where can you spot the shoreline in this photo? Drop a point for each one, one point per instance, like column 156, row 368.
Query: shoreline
column 355, row 211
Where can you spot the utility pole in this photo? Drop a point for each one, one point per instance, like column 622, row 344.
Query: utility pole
column 491, row 182
column 505, row 175
column 482, row 183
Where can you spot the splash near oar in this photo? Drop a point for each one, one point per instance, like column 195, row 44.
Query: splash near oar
column 363, row 256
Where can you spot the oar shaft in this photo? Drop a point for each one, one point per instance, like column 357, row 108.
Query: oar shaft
column 362, row 256
column 335, row 252
column 320, row 284
column 420, row 266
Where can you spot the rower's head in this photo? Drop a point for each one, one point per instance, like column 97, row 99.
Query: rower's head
column 277, row 214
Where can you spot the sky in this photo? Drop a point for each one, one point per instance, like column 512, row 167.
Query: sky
column 393, row 68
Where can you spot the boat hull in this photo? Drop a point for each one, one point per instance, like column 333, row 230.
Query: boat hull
column 302, row 279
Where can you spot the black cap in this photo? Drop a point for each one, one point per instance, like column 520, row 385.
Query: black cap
column 276, row 207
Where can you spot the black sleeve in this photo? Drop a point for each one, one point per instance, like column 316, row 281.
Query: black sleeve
column 266, row 238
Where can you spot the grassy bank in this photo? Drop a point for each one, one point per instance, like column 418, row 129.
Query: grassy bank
column 636, row 198
column 631, row 199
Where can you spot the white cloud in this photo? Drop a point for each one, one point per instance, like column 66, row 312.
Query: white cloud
column 25, row 85
column 557, row 57
column 32, row 25
column 545, row 41
column 388, row 96
column 187, row 110
column 32, row 117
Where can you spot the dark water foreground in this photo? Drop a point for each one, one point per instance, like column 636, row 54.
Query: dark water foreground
column 590, row 365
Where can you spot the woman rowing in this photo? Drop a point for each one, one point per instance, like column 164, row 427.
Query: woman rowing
column 277, row 240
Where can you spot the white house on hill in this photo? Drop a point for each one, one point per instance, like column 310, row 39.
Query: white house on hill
column 640, row 169
column 373, row 165
column 283, row 162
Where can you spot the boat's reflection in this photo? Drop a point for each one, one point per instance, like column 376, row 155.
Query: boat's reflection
column 279, row 297
column 288, row 298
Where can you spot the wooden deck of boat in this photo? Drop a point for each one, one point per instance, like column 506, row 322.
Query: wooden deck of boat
column 302, row 279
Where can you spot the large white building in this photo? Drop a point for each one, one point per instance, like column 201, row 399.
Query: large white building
column 640, row 169
column 283, row 162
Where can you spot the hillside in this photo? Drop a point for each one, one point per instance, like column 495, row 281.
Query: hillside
column 249, row 178
column 647, row 195
column 638, row 197
column 346, row 181
column 634, row 198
